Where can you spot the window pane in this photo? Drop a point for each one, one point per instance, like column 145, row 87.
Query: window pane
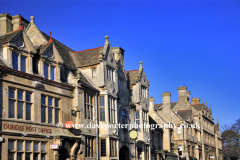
column 103, row 147
column 50, row 100
column 56, row 102
column 35, row 156
column 49, row 115
column 28, row 96
column 10, row 156
column 43, row 147
column 43, row 114
column 28, row 146
column 19, row 156
column 15, row 61
column 56, row 116
column 10, row 145
column 43, row 99
column 102, row 101
column 137, row 114
column 20, row 95
column 28, row 156
column 20, row 110
column 28, row 111
column 52, row 71
column 23, row 64
column 35, row 146
column 102, row 114
column 11, row 111
column 46, row 71
column 11, row 93
column 43, row 156
column 20, row 145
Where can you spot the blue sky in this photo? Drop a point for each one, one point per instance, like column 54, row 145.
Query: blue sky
column 192, row 43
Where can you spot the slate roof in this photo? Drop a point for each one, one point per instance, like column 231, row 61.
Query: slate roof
column 132, row 76
column 85, row 81
column 63, row 51
column 198, row 107
column 42, row 48
column 159, row 106
column 86, row 57
column 8, row 36
column 184, row 114
column 2, row 63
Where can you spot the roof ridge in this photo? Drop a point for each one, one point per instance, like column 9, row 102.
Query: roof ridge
column 87, row 49
column 132, row 70
column 57, row 41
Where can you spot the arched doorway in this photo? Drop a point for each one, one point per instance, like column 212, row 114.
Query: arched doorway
column 63, row 154
column 124, row 153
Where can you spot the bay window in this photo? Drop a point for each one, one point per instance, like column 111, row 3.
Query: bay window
column 111, row 110
column 88, row 106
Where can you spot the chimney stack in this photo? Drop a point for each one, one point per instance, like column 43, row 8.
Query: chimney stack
column 166, row 97
column 151, row 103
column 195, row 101
column 188, row 95
column 5, row 23
column 166, row 107
column 182, row 93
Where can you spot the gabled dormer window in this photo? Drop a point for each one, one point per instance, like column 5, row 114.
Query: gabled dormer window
column 19, row 62
column 49, row 71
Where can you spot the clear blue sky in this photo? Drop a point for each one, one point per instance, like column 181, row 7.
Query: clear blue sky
column 192, row 43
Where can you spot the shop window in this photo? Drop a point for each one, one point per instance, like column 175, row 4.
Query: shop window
column 49, row 109
column 20, row 104
column 88, row 107
column 18, row 149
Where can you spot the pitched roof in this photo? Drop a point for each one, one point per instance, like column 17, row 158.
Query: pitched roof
column 86, row 57
column 198, row 107
column 132, row 76
column 8, row 36
column 63, row 51
column 2, row 63
column 184, row 114
column 42, row 48
column 159, row 106
column 85, row 81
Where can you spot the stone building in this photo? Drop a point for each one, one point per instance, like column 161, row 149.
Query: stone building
column 58, row 103
column 195, row 134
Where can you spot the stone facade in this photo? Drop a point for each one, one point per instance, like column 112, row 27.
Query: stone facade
column 194, row 133
column 58, row 103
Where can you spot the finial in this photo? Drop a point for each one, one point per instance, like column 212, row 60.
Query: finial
column 140, row 62
column 32, row 18
column 203, row 101
column 106, row 37
column 50, row 40
column 20, row 23
column 217, row 120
